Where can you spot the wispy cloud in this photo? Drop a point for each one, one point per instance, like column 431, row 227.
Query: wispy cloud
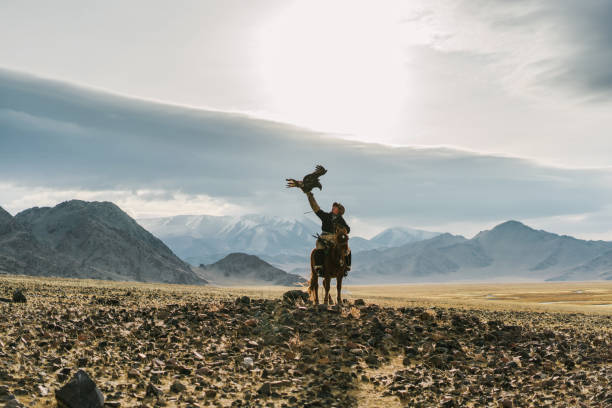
column 550, row 46
column 137, row 203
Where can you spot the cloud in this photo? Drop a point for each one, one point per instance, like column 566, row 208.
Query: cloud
column 137, row 203
column 589, row 32
column 65, row 138
column 554, row 45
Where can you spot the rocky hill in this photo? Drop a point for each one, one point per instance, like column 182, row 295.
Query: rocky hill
column 21, row 253
column 88, row 240
column 243, row 269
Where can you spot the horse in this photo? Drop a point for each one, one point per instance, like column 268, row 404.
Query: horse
column 334, row 266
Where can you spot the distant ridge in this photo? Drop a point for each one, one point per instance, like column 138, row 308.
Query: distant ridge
column 509, row 251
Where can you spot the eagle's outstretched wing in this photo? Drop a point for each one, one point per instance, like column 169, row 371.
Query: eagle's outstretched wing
column 319, row 171
column 310, row 181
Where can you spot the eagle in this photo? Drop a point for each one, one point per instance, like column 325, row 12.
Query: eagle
column 310, row 181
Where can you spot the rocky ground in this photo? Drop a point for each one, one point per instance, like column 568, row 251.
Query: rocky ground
column 146, row 347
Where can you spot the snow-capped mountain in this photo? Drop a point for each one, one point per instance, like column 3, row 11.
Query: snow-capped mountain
column 398, row 236
column 203, row 239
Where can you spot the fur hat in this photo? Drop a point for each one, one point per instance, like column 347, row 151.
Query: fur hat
column 340, row 208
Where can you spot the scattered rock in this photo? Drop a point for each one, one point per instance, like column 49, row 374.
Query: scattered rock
column 201, row 351
column 359, row 302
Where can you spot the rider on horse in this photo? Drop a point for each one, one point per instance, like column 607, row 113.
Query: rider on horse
column 329, row 222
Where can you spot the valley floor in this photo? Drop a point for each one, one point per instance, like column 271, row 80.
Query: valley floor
column 505, row 345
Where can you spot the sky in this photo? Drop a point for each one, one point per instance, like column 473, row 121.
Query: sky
column 497, row 109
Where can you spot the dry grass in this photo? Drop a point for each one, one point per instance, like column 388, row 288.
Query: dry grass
column 571, row 297
column 583, row 297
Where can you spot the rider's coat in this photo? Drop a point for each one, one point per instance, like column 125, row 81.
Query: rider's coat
column 330, row 220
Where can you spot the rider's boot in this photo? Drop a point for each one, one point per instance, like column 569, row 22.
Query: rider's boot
column 319, row 257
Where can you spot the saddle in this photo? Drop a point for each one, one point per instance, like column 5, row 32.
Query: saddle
column 328, row 245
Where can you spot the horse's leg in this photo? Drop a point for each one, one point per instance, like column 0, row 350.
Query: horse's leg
column 339, row 288
column 326, row 284
column 313, row 284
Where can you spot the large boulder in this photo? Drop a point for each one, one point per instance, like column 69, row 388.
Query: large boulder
column 80, row 392
column 19, row 297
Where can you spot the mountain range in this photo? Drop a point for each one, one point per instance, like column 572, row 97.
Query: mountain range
column 98, row 240
column 87, row 240
column 511, row 251
column 284, row 242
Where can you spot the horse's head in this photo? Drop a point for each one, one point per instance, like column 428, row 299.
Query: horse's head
column 341, row 237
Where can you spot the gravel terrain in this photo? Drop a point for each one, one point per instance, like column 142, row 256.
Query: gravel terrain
column 148, row 346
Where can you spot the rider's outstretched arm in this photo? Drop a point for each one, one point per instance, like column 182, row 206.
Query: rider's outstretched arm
column 313, row 203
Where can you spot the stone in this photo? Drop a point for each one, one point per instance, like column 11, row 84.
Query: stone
column 248, row 363
column 251, row 322
column 80, row 392
column 153, row 391
column 19, row 297
column 42, row 390
column 177, row 387
column 359, row 302
column 294, row 295
column 245, row 300
column 133, row 373
column 428, row 315
column 265, row 389
column 13, row 403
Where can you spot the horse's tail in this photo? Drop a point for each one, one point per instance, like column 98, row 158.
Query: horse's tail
column 313, row 283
